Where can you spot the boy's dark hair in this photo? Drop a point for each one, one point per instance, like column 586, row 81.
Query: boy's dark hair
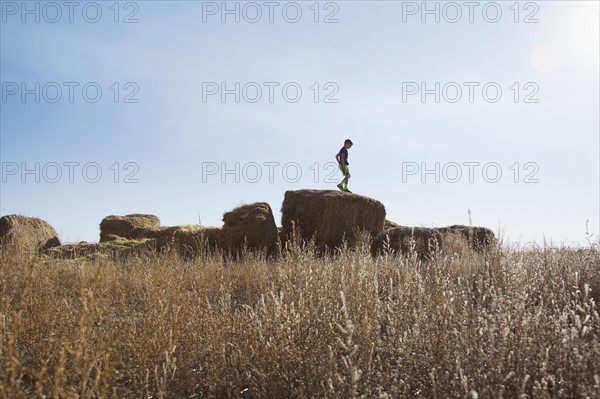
column 348, row 141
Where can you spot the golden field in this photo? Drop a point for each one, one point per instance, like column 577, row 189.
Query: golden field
column 500, row 323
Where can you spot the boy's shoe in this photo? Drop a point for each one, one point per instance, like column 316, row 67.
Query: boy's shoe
column 341, row 187
column 347, row 191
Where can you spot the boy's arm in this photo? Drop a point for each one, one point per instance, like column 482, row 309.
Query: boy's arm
column 343, row 159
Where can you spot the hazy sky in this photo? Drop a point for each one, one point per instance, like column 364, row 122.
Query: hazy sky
column 497, row 101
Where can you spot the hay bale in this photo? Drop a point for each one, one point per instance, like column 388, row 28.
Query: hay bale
column 399, row 240
column 330, row 215
column 252, row 225
column 119, row 248
column 124, row 226
column 187, row 240
column 30, row 235
column 477, row 238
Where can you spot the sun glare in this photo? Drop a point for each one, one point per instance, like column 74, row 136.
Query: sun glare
column 544, row 57
column 577, row 39
column 586, row 28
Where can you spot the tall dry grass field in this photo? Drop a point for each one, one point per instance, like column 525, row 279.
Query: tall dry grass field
column 496, row 324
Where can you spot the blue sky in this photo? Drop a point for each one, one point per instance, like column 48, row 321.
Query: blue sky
column 369, row 58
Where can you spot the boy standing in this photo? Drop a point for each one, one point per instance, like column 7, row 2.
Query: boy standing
column 342, row 158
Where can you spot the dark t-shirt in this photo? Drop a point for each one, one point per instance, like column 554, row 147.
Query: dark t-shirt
column 344, row 150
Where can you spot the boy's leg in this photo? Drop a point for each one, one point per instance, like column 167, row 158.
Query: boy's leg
column 344, row 182
column 346, row 173
column 347, row 176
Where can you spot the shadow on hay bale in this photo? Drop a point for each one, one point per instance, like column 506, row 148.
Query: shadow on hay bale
column 402, row 239
column 478, row 238
column 331, row 216
column 129, row 226
column 250, row 226
column 118, row 249
column 146, row 232
column 187, row 240
column 27, row 234
column 426, row 240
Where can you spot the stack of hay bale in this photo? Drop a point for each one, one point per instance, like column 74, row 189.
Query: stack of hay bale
column 120, row 238
column 248, row 227
column 329, row 217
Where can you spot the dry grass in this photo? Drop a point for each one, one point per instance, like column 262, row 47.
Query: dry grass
column 494, row 324
column 477, row 237
column 426, row 240
column 189, row 240
column 403, row 239
column 117, row 248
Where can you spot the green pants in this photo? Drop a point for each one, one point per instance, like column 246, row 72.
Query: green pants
column 346, row 172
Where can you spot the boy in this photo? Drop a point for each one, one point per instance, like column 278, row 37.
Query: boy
column 342, row 158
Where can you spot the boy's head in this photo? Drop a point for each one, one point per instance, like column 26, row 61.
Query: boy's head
column 348, row 143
